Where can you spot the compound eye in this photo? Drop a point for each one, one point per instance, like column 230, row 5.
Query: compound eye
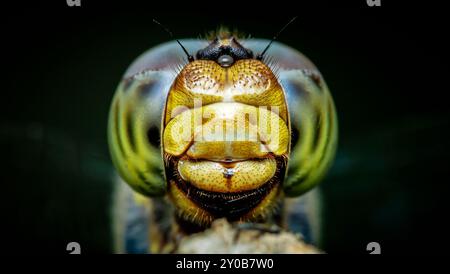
column 225, row 61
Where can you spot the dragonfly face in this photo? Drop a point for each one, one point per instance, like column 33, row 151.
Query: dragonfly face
column 224, row 135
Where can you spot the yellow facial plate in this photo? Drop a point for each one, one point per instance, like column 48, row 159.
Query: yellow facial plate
column 220, row 177
column 248, row 81
column 230, row 131
column 222, row 128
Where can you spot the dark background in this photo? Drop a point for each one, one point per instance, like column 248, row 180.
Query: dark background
column 385, row 68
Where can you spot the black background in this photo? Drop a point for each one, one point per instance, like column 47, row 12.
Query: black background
column 386, row 68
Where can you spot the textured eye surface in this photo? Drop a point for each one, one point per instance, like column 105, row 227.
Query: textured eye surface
column 134, row 140
column 314, row 128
